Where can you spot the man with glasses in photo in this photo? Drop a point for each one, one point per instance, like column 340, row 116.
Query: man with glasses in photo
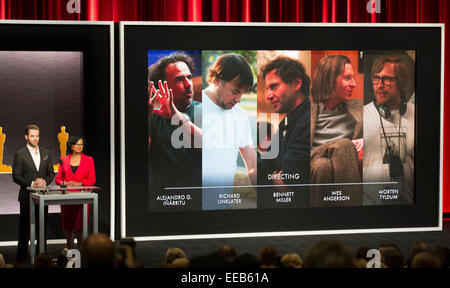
column 389, row 134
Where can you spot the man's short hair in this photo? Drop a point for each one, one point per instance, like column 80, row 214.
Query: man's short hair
column 401, row 71
column 157, row 71
column 230, row 67
column 324, row 79
column 31, row 127
column 288, row 70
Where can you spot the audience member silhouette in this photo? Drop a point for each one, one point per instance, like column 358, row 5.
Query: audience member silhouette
column 269, row 257
column 180, row 263
column 174, row 253
column 391, row 257
column 443, row 252
column 329, row 254
column 292, row 260
column 426, row 260
column 227, row 253
column 43, row 260
column 98, row 251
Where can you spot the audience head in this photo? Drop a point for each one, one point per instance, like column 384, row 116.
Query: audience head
column 426, row 260
column 228, row 253
column 361, row 253
column 43, row 260
column 127, row 254
column 174, row 253
column 329, row 254
column 391, row 256
column 418, row 247
column 291, row 261
column 443, row 252
column 269, row 257
column 384, row 245
column 360, row 263
column 98, row 251
column 3, row 262
column 180, row 263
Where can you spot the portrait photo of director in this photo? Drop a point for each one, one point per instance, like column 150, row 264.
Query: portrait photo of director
column 336, row 127
column 171, row 108
column 287, row 90
column 389, row 130
column 226, row 129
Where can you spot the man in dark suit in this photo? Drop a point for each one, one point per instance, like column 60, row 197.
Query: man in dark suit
column 287, row 89
column 32, row 166
column 287, row 86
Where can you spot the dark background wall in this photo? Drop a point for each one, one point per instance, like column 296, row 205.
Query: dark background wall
column 37, row 87
column 67, row 82
column 43, row 88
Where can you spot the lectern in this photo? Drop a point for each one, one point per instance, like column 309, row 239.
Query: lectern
column 55, row 195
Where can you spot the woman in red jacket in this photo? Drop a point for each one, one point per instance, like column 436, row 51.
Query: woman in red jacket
column 78, row 171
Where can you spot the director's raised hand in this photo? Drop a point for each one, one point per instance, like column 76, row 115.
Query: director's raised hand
column 165, row 96
column 152, row 96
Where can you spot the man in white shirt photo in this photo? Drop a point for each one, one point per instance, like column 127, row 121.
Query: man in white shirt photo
column 226, row 130
column 389, row 134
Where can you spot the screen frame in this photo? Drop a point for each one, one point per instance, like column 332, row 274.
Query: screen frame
column 109, row 25
column 123, row 221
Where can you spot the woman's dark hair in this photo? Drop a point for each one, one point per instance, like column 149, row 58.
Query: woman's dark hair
column 72, row 141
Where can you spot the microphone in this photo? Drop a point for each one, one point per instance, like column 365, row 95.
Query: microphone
column 63, row 174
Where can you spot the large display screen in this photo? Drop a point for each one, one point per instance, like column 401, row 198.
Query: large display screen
column 280, row 129
column 350, row 140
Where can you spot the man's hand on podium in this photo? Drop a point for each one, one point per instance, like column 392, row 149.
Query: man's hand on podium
column 39, row 182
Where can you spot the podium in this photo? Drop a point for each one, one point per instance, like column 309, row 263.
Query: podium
column 55, row 195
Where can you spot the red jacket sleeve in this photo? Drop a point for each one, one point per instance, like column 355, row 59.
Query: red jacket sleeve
column 90, row 179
